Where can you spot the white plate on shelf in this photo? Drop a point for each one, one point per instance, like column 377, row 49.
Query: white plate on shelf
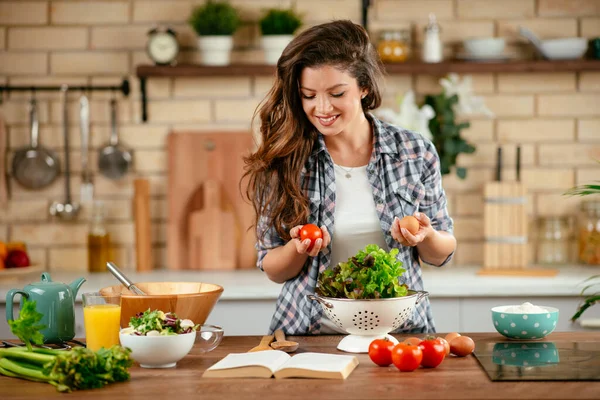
column 470, row 57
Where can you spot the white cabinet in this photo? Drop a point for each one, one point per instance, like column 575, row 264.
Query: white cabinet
column 243, row 317
column 466, row 314
column 451, row 314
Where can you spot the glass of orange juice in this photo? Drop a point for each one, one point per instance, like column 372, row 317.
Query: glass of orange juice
column 101, row 317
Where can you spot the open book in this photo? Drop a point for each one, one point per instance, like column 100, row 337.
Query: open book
column 268, row 363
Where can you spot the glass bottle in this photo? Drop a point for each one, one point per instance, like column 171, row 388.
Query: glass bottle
column 99, row 252
column 432, row 43
column 589, row 232
column 554, row 239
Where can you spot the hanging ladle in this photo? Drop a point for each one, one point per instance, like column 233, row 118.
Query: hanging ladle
column 114, row 160
column 35, row 167
column 67, row 210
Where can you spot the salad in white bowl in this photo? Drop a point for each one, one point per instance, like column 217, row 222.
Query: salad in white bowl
column 158, row 323
column 158, row 339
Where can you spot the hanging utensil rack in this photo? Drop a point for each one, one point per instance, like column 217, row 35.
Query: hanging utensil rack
column 123, row 88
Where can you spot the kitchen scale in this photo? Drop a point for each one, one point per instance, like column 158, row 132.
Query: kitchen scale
column 539, row 360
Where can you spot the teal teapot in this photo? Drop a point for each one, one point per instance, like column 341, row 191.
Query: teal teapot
column 55, row 301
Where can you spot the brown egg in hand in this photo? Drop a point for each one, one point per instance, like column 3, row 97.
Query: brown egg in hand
column 410, row 223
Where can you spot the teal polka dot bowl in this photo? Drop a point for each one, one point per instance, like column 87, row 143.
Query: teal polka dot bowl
column 524, row 326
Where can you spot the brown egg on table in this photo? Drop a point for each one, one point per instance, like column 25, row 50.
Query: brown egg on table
column 410, row 223
column 462, row 346
column 450, row 336
column 413, row 340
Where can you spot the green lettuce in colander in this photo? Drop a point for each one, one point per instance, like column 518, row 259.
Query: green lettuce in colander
column 371, row 274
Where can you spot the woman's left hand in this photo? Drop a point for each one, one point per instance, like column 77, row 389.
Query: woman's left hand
column 405, row 238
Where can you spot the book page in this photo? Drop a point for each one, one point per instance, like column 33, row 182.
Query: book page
column 320, row 362
column 271, row 359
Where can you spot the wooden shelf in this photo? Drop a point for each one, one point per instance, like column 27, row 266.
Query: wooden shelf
column 204, row 70
column 195, row 70
column 401, row 68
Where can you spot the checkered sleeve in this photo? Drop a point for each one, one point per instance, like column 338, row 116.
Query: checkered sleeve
column 267, row 241
column 434, row 203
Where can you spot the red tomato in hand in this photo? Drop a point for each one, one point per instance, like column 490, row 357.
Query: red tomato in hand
column 380, row 351
column 406, row 357
column 312, row 232
column 434, row 352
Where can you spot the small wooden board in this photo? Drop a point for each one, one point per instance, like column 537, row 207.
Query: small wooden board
column 10, row 275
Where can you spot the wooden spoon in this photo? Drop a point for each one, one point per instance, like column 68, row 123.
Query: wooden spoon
column 264, row 344
column 285, row 345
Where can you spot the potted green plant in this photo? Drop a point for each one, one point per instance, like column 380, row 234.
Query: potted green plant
column 439, row 118
column 215, row 22
column 277, row 27
column 591, row 291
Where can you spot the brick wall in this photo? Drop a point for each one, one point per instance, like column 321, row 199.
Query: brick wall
column 555, row 116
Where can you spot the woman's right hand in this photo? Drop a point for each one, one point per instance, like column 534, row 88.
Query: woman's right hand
column 302, row 246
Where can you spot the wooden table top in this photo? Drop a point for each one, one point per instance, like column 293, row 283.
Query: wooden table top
column 455, row 378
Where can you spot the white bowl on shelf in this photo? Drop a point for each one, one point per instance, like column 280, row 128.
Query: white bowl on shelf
column 564, row 49
column 570, row 48
column 487, row 47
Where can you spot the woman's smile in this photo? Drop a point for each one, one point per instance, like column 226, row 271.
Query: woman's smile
column 328, row 121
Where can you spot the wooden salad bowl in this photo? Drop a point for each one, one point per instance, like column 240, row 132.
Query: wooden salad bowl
column 189, row 300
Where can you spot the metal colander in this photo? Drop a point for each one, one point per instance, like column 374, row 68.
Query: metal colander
column 367, row 319
column 371, row 316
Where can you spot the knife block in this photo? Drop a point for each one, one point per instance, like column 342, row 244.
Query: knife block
column 505, row 226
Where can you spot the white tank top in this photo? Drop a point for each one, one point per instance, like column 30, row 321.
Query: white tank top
column 356, row 223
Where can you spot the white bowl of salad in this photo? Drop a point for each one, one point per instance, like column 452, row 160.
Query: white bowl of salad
column 158, row 339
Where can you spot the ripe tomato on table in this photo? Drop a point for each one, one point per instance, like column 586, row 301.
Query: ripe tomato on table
column 407, row 357
column 312, row 232
column 380, row 351
column 434, row 352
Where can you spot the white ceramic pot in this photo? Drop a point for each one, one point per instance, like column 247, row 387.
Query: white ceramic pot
column 273, row 45
column 215, row 50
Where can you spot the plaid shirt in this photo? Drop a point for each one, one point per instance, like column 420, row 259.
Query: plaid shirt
column 404, row 174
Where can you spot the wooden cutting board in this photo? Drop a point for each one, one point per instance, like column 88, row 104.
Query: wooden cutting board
column 213, row 230
column 193, row 159
column 143, row 225
column 3, row 187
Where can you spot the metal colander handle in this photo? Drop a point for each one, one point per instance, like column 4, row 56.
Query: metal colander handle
column 420, row 295
column 320, row 300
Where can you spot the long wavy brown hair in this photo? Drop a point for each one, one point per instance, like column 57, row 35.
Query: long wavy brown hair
column 273, row 171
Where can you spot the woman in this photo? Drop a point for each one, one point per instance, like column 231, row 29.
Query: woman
column 325, row 160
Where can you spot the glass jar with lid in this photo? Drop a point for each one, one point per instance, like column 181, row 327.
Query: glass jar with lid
column 394, row 46
column 402, row 48
column 385, row 46
column 554, row 240
column 589, row 232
